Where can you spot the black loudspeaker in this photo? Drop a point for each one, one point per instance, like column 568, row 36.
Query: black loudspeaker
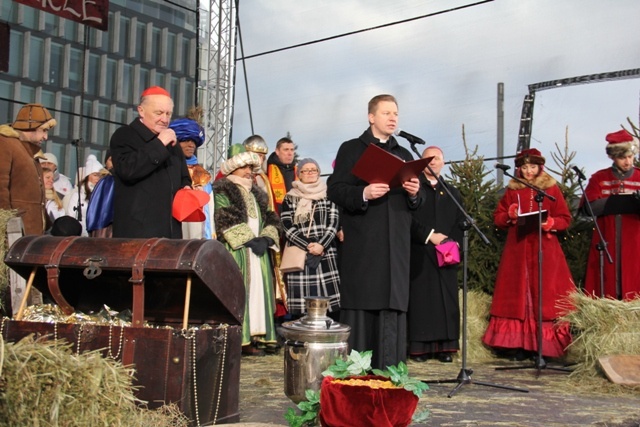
column 4, row 46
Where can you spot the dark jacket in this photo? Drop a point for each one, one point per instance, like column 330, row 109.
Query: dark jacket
column 21, row 184
column 147, row 176
column 374, row 256
column 434, row 313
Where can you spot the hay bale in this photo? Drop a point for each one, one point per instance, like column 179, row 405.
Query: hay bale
column 5, row 216
column 601, row 327
column 478, row 305
column 44, row 383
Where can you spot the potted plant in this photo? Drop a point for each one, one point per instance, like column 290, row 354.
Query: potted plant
column 353, row 394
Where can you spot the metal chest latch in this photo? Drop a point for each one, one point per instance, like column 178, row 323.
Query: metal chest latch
column 93, row 269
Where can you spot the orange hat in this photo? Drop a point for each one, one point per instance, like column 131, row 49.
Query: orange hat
column 621, row 144
column 187, row 205
column 155, row 90
column 32, row 116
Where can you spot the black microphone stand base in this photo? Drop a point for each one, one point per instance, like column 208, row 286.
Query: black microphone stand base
column 464, row 378
column 539, row 364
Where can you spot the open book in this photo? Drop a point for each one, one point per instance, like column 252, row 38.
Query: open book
column 379, row 166
column 528, row 222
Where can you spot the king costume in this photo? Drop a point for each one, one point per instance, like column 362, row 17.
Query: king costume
column 240, row 216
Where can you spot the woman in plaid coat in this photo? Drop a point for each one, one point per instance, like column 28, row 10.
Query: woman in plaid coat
column 310, row 222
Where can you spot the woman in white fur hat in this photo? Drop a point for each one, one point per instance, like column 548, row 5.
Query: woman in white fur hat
column 92, row 173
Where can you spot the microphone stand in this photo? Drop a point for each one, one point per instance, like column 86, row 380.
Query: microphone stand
column 76, row 143
column 601, row 246
column 539, row 363
column 464, row 376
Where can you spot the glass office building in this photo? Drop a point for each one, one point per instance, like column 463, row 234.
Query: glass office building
column 149, row 42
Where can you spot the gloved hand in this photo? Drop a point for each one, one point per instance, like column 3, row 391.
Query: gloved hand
column 548, row 225
column 513, row 211
column 313, row 261
column 259, row 245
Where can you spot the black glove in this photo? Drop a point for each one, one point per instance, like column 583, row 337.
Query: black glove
column 259, row 245
column 313, row 261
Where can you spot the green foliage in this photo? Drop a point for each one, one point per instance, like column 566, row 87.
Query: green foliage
column 399, row 376
column 356, row 364
column 480, row 195
column 310, row 409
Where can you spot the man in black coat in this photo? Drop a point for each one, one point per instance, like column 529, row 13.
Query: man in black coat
column 434, row 312
column 374, row 258
column 149, row 168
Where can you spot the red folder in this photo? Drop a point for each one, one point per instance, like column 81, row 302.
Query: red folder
column 379, row 166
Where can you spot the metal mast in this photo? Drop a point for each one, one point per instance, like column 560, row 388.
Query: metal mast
column 215, row 88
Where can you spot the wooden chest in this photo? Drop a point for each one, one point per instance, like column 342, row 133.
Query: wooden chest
column 192, row 290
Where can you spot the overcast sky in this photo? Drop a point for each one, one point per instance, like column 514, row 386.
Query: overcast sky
column 444, row 71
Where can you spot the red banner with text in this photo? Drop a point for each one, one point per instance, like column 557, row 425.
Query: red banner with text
column 94, row 13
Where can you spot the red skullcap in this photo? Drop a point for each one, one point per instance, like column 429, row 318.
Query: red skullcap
column 155, row 90
column 187, row 205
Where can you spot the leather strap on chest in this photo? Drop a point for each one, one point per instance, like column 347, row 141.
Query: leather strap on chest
column 137, row 279
column 53, row 273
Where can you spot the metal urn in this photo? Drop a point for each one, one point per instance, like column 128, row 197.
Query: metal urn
column 312, row 344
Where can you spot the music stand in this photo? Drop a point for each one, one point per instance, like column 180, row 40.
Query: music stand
column 601, row 246
column 539, row 362
column 464, row 376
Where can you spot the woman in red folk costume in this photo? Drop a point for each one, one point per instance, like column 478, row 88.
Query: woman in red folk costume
column 514, row 310
column 620, row 226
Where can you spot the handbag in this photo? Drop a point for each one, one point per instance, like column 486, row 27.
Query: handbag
column 448, row 253
column 294, row 258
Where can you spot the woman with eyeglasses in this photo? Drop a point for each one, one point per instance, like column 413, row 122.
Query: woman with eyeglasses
column 310, row 222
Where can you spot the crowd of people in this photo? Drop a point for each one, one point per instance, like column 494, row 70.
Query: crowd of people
column 371, row 248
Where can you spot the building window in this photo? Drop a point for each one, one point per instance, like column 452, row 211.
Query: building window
column 66, row 118
column 36, row 47
column 144, row 79
column 56, row 64
column 170, row 49
column 156, row 46
column 141, row 31
column 16, row 51
column 75, row 69
column 112, row 76
column 124, row 39
column 127, row 83
column 93, row 78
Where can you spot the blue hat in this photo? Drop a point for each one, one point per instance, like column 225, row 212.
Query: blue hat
column 188, row 130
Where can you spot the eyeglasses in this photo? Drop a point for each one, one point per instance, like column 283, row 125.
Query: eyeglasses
column 308, row 171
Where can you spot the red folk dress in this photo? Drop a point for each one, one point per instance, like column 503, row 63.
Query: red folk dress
column 623, row 240
column 514, row 309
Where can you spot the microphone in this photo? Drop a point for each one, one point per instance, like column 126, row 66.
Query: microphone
column 502, row 167
column 578, row 172
column 411, row 138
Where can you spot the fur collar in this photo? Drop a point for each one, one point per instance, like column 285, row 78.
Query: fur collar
column 542, row 181
column 8, row 131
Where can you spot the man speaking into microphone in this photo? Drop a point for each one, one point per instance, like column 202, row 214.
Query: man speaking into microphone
column 375, row 253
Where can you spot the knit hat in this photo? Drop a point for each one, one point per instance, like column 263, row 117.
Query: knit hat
column 92, row 165
column 256, row 144
column 154, row 90
column 33, row 116
column 621, row 144
column 529, row 156
column 188, row 130
column 49, row 157
column 303, row 162
column 238, row 161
